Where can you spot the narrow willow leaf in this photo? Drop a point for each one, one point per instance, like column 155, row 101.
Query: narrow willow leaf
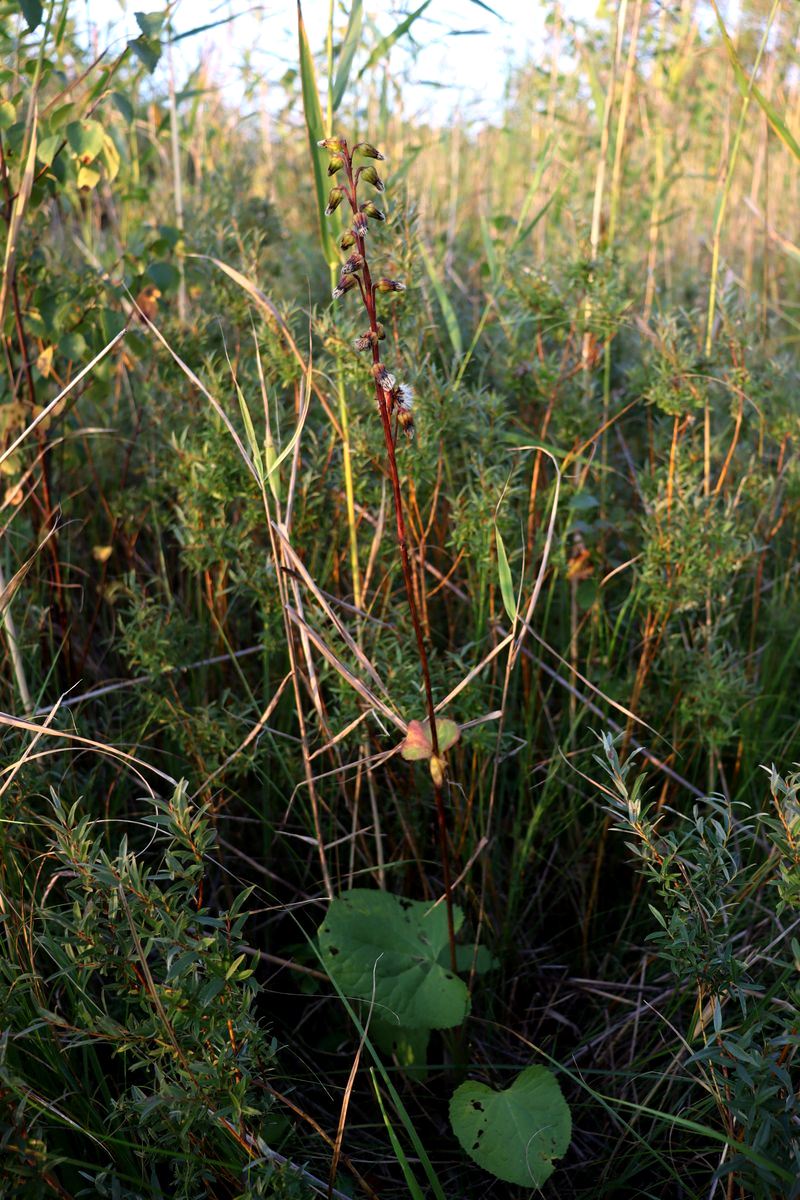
column 506, row 582
column 385, row 44
column 448, row 312
column 252, row 440
column 316, row 132
column 347, row 52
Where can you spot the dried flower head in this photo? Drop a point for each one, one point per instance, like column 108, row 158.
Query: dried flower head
column 383, row 378
column 389, row 285
column 354, row 263
column 359, row 225
column 345, row 284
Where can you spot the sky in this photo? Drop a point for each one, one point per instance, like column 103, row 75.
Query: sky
column 469, row 68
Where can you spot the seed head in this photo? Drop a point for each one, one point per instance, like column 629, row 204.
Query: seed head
column 335, row 198
column 363, row 341
column 336, row 164
column 403, row 396
column 372, row 210
column 354, row 263
column 360, row 225
column 335, row 144
column 368, row 151
column 344, row 285
column 383, row 378
column 389, row 285
column 371, row 176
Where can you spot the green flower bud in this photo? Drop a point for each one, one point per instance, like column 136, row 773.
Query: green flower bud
column 334, row 200
column 336, row 164
column 372, row 210
column 347, row 240
column 368, row 151
column 371, row 176
column 335, row 144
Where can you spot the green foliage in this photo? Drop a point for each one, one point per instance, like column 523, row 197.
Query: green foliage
column 142, row 993
column 514, row 1134
column 393, row 952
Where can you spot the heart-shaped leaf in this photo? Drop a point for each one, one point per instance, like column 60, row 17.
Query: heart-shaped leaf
column 374, row 943
column 516, row 1134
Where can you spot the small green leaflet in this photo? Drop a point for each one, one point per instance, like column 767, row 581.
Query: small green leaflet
column 506, row 582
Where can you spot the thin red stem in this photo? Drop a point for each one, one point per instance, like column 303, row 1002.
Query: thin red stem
column 368, row 296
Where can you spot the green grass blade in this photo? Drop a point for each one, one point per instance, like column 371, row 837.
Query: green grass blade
column 748, row 88
column 316, row 132
column 414, row 1190
column 385, row 44
column 347, row 52
column 448, row 312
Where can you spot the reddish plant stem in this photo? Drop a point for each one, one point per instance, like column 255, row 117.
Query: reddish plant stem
column 368, row 296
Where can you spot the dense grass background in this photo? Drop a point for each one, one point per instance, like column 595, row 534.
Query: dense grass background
column 604, row 280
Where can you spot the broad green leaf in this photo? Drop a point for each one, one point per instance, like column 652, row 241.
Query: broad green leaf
column 123, row 106
column 8, row 114
column 32, row 11
column 165, row 275
column 514, row 1135
column 349, row 47
column 86, row 139
column 150, row 24
column 375, row 943
column 506, row 582
column 448, row 312
column 385, row 44
column 316, row 132
column 110, row 157
column 88, row 178
column 147, row 50
column 47, row 147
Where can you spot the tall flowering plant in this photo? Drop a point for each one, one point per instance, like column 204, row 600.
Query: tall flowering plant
column 429, row 739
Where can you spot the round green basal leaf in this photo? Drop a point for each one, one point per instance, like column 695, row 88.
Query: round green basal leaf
column 514, row 1135
column 85, row 139
column 376, row 943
